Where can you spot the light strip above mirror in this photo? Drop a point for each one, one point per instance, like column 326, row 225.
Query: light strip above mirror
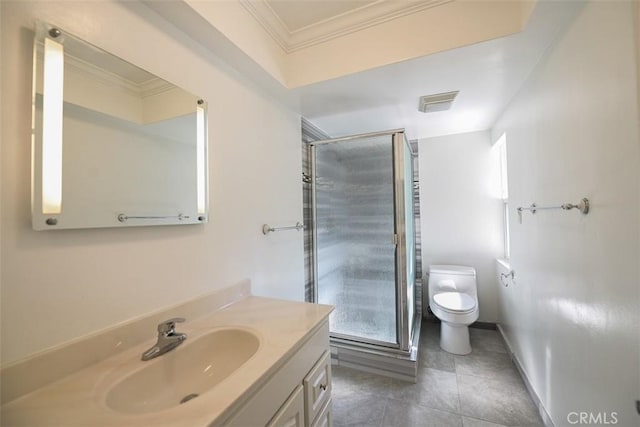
column 52, row 127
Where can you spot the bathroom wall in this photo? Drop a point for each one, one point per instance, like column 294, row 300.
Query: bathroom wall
column 460, row 209
column 60, row 285
column 571, row 315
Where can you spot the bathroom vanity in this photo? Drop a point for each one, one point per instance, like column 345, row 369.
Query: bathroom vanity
column 252, row 361
column 298, row 394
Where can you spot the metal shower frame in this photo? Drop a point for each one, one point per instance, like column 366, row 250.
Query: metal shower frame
column 405, row 327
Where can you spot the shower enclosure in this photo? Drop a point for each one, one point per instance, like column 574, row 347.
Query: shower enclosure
column 364, row 247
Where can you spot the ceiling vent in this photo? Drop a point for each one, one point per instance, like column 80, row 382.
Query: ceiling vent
column 438, row 102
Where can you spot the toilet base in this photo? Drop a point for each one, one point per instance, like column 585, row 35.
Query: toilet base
column 454, row 338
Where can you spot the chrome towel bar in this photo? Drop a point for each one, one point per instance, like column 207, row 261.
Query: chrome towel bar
column 582, row 206
column 123, row 218
column 266, row 228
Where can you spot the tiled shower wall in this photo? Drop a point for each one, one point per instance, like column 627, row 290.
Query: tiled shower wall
column 362, row 223
column 416, row 224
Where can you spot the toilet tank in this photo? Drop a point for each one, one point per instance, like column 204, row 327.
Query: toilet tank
column 452, row 278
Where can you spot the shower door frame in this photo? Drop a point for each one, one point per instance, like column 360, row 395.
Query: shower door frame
column 404, row 325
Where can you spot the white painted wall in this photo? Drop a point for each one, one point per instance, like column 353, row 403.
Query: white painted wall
column 58, row 286
column 572, row 315
column 233, row 20
column 460, row 209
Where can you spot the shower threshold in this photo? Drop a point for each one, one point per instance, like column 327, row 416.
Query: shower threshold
column 386, row 361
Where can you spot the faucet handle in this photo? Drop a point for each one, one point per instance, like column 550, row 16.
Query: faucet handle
column 168, row 326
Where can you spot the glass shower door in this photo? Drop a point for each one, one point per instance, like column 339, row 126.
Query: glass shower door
column 407, row 255
column 355, row 250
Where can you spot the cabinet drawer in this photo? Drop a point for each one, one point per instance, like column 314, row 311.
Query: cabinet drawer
column 317, row 388
column 324, row 418
column 291, row 413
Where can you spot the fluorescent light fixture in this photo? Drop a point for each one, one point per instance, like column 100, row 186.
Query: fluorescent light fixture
column 52, row 127
column 201, row 158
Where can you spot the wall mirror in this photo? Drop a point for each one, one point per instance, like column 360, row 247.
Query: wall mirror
column 113, row 145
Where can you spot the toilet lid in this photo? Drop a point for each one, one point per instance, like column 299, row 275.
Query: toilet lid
column 455, row 301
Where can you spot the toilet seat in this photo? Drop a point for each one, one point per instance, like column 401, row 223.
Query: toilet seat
column 455, row 302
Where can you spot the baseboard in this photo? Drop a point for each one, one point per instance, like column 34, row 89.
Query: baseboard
column 546, row 419
column 484, row 325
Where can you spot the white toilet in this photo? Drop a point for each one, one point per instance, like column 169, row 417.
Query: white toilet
column 453, row 298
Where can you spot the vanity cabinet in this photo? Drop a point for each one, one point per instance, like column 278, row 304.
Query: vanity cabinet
column 291, row 414
column 317, row 389
column 297, row 394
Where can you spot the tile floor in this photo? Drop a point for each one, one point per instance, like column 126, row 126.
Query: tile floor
column 482, row 389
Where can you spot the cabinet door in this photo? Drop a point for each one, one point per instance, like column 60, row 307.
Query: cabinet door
column 324, row 419
column 291, row 414
column 317, row 387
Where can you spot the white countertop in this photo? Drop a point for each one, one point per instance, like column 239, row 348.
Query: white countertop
column 80, row 399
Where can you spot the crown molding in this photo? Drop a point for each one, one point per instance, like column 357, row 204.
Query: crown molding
column 269, row 20
column 150, row 87
column 311, row 132
column 337, row 26
column 147, row 88
column 100, row 75
column 155, row 86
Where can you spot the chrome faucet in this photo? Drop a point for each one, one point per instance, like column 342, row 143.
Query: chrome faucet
column 168, row 339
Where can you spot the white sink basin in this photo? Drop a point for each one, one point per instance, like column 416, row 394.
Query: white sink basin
column 184, row 373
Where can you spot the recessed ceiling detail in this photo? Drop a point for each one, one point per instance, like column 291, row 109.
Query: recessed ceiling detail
column 296, row 14
column 294, row 33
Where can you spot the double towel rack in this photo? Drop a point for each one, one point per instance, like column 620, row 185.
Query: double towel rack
column 582, row 206
column 266, row 228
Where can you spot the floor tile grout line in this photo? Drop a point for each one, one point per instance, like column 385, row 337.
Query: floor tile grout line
column 423, row 406
column 485, row 420
column 489, row 378
column 384, row 411
column 458, row 396
column 475, row 417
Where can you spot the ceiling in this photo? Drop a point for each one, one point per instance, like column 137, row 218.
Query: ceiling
column 487, row 74
column 379, row 97
column 299, row 24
